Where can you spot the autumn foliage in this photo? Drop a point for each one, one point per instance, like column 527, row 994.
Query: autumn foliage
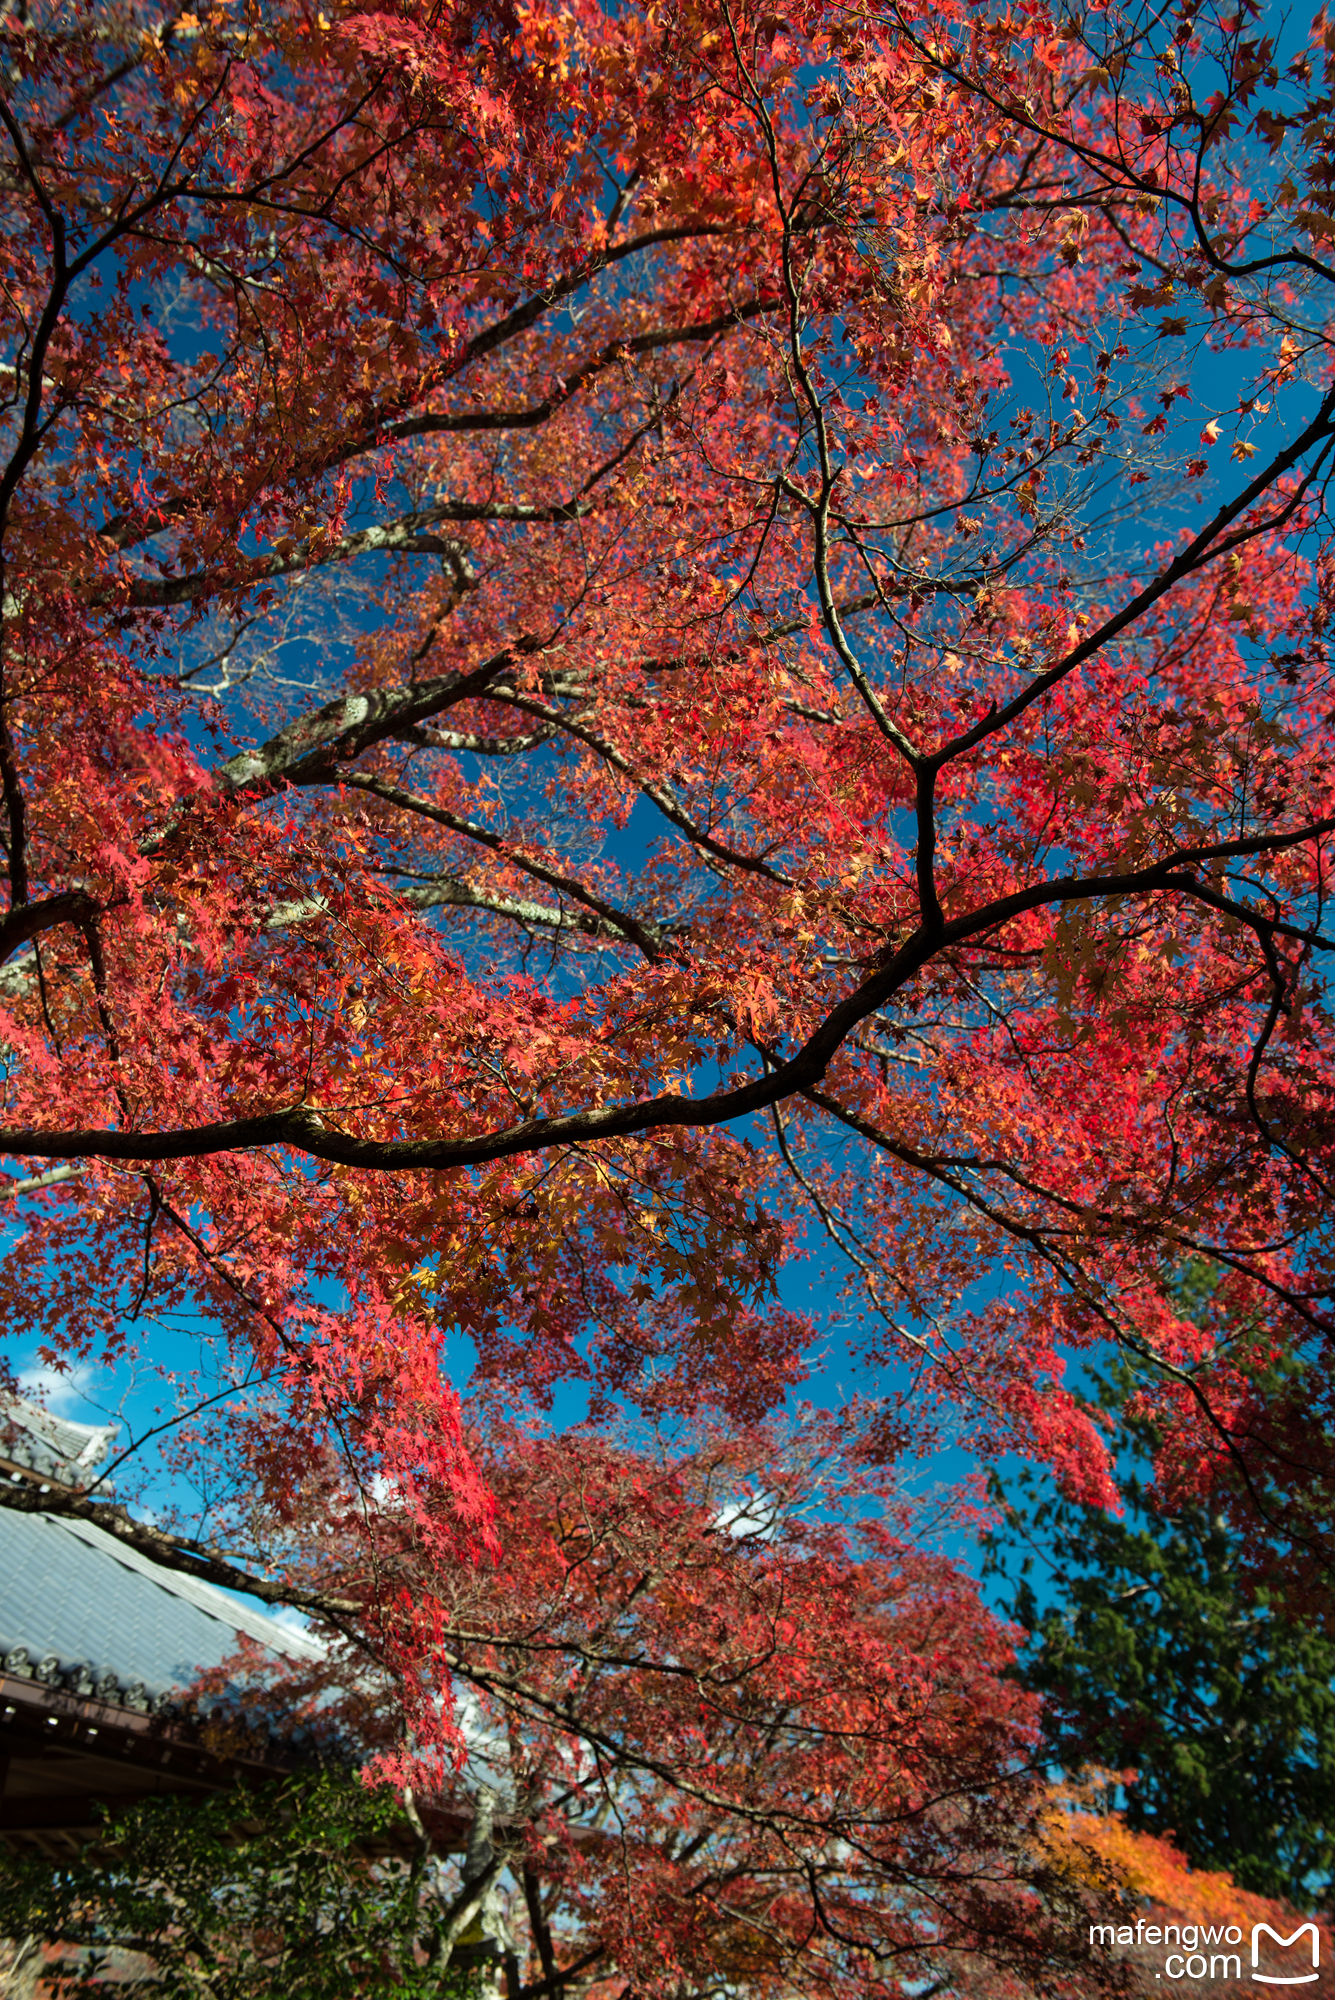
column 726, row 1716
column 1160, row 1889
column 636, row 640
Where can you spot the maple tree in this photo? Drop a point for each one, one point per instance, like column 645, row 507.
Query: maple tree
column 1211, row 1914
column 583, row 694
column 726, row 1728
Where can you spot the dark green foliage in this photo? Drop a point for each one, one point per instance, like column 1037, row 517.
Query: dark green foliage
column 1152, row 1655
column 261, row 1895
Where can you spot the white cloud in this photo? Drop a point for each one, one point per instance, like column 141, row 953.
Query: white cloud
column 290, row 1619
column 755, row 1515
column 64, row 1392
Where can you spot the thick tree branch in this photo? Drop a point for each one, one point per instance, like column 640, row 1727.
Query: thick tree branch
column 1205, row 547
column 314, row 746
column 452, row 892
column 305, row 1129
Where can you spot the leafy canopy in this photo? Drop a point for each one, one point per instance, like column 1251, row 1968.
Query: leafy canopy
column 632, row 639
column 271, row 1895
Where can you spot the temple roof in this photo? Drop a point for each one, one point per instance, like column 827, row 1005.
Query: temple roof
column 33, row 1440
column 80, row 1609
column 98, row 1643
column 85, row 1608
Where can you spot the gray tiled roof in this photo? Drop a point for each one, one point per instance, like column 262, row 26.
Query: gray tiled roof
column 51, row 1446
column 71, row 1593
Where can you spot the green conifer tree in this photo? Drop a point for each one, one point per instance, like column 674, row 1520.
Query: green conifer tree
column 1154, row 1653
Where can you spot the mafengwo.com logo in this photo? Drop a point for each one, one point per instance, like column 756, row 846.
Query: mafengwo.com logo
column 1275, row 1960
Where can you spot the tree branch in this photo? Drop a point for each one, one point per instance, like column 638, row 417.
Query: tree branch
column 307, row 1130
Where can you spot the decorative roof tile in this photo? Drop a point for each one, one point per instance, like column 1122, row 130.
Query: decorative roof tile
column 80, row 1606
column 61, row 1452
